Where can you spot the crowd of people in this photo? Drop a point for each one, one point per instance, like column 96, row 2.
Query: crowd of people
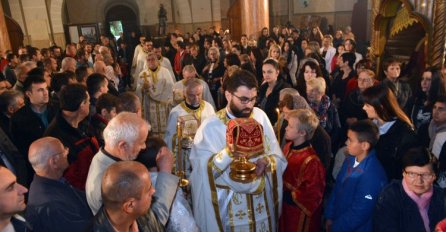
column 91, row 138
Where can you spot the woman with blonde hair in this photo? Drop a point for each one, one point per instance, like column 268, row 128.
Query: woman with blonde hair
column 213, row 71
column 324, row 108
column 274, row 51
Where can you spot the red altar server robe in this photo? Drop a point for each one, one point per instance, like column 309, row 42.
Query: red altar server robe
column 303, row 186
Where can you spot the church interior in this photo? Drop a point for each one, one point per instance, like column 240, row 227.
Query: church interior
column 222, row 115
column 392, row 27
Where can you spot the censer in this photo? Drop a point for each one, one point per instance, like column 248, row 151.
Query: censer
column 244, row 136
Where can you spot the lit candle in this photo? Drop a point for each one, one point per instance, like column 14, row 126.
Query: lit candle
column 178, row 157
column 278, row 124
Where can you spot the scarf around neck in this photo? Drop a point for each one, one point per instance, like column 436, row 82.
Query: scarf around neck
column 422, row 203
column 321, row 109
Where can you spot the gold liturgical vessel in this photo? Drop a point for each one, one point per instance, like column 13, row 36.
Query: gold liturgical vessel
column 186, row 128
column 244, row 136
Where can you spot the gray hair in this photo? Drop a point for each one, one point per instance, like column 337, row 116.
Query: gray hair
column 288, row 91
column 66, row 61
column 192, row 83
column 299, row 102
column 189, row 68
column 9, row 98
column 124, row 127
column 41, row 151
column 23, row 69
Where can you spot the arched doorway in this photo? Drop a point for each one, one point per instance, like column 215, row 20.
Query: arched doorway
column 15, row 33
column 123, row 16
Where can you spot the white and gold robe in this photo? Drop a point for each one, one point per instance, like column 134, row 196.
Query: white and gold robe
column 140, row 63
column 157, row 99
column 221, row 204
column 204, row 111
column 164, row 62
column 171, row 138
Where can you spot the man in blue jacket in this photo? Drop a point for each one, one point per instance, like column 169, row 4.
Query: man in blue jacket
column 359, row 182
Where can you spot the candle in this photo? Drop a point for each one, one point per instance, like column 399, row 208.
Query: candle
column 278, row 125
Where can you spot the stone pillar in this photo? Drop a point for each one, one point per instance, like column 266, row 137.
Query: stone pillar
column 255, row 16
column 5, row 44
column 438, row 43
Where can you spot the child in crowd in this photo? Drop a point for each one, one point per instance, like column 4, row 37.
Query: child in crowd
column 304, row 177
column 359, row 182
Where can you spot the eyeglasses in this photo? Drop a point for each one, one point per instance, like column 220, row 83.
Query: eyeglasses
column 424, row 176
column 245, row 100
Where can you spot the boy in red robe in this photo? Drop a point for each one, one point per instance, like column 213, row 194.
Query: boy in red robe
column 304, row 177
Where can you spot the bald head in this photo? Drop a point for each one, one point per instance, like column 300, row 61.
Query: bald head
column 42, row 151
column 99, row 67
column 124, row 181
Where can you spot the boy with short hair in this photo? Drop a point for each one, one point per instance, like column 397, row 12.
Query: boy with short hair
column 359, row 182
column 304, row 177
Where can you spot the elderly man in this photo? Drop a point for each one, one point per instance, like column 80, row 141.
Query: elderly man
column 53, row 204
column 127, row 191
column 12, row 201
column 155, row 86
column 192, row 105
column 68, row 64
column 125, row 136
column 22, row 73
column 189, row 72
column 10, row 102
column 219, row 202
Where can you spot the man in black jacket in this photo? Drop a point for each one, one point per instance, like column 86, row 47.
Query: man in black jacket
column 30, row 122
column 12, row 201
column 53, row 204
column 67, row 126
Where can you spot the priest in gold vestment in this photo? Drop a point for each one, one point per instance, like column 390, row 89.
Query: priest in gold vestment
column 154, row 88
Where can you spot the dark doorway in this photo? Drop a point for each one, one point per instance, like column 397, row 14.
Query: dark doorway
column 15, row 33
column 121, row 15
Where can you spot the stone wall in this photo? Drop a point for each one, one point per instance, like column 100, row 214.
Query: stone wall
column 188, row 14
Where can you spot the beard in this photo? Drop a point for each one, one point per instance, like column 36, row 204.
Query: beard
column 240, row 113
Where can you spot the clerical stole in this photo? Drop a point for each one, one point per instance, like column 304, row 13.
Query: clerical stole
column 157, row 99
column 238, row 211
column 247, row 212
column 304, row 184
